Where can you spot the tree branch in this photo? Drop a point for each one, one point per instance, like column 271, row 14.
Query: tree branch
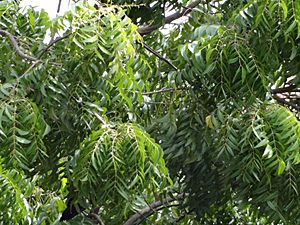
column 159, row 56
column 153, row 207
column 97, row 217
column 284, row 102
column 150, row 28
column 29, row 68
column 285, row 89
column 156, row 210
column 53, row 42
column 16, row 46
column 58, row 7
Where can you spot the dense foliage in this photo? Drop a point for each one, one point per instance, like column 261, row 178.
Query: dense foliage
column 116, row 120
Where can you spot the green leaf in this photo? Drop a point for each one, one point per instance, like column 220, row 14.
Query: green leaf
column 23, row 140
column 268, row 153
column 208, row 121
column 209, row 68
column 284, row 8
column 2, row 133
column 281, row 167
column 91, row 39
column 22, row 132
column 297, row 14
column 103, row 49
column 262, row 143
column 208, row 54
column 183, row 51
column 244, row 73
column 31, row 18
column 78, row 43
column 47, row 130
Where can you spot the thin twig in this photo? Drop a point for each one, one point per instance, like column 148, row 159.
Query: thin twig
column 159, row 56
column 29, row 68
column 53, row 42
column 58, row 7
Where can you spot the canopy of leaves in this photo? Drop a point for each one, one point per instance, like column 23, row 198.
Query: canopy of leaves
column 95, row 128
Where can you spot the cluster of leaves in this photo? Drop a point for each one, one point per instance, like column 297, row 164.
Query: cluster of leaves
column 64, row 118
column 118, row 162
column 22, row 129
column 259, row 152
column 222, row 131
column 71, row 121
column 23, row 202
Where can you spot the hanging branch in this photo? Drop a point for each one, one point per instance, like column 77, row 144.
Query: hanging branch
column 16, row 46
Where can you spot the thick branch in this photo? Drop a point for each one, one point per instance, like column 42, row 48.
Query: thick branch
column 153, row 207
column 283, row 101
column 16, row 46
column 291, row 88
column 149, row 28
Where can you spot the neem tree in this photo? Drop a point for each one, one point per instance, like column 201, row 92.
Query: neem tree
column 116, row 122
